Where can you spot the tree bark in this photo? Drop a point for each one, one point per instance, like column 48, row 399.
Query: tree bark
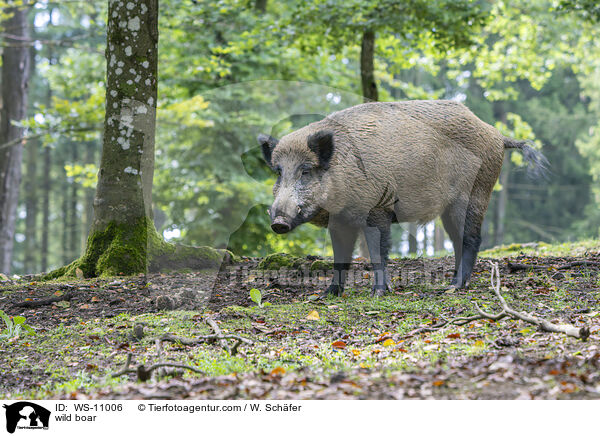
column 412, row 238
column 261, row 5
column 31, row 208
column 15, row 78
column 439, row 237
column 64, row 211
column 74, row 238
column 46, row 207
column 500, row 215
column 88, row 209
column 367, row 67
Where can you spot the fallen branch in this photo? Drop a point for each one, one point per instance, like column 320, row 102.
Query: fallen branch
column 580, row 263
column 580, row 333
column 527, row 267
column 144, row 374
column 45, row 301
column 206, row 339
column 213, row 325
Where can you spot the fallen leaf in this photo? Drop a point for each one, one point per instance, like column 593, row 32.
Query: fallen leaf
column 382, row 337
column 356, row 352
column 58, row 293
column 453, row 335
column 95, row 298
column 388, row 343
column 340, row 345
column 479, row 343
column 277, row 371
column 313, row 315
column 438, row 382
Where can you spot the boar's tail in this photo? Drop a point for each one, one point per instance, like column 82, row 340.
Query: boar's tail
column 537, row 162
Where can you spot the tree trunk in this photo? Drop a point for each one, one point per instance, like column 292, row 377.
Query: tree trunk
column 123, row 239
column 261, row 5
column 64, row 211
column 15, row 77
column 46, row 207
column 412, row 238
column 88, row 208
column 367, row 68
column 74, row 237
column 439, row 237
column 31, row 208
column 369, row 89
column 501, row 202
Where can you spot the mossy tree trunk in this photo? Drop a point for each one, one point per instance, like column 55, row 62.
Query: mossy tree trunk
column 118, row 240
column 122, row 238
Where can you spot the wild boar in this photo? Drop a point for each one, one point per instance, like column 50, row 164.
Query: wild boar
column 365, row 167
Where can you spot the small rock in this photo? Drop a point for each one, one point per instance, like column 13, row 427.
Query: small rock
column 164, row 303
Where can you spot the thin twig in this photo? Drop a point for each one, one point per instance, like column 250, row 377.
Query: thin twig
column 144, row 374
column 202, row 339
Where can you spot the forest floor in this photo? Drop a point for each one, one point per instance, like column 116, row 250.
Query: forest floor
column 304, row 346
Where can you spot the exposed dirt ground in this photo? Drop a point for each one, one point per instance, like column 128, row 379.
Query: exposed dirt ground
column 305, row 346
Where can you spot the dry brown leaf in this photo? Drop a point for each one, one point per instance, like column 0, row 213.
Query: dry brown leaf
column 277, row 371
column 339, row 345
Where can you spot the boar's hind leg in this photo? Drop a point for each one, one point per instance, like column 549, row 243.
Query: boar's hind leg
column 377, row 234
column 463, row 224
column 343, row 238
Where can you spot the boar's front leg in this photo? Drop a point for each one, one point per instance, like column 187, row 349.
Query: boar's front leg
column 377, row 234
column 343, row 238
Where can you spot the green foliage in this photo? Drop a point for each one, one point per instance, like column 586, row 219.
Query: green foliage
column 14, row 326
column 256, row 296
column 588, row 9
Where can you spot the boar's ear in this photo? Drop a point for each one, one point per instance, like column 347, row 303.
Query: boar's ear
column 321, row 143
column 267, row 144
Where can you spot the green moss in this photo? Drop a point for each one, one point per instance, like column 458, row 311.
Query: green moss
column 321, row 265
column 125, row 249
column 278, row 261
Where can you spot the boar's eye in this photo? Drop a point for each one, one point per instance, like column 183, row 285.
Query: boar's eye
column 278, row 171
column 305, row 169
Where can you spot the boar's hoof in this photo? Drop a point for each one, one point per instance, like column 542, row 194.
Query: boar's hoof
column 335, row 290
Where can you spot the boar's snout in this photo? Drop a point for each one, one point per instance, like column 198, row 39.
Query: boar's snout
column 281, row 225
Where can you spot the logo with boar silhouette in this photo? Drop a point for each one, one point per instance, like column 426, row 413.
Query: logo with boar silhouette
column 26, row 415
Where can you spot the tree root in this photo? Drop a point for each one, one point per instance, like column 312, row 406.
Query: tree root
column 526, row 267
